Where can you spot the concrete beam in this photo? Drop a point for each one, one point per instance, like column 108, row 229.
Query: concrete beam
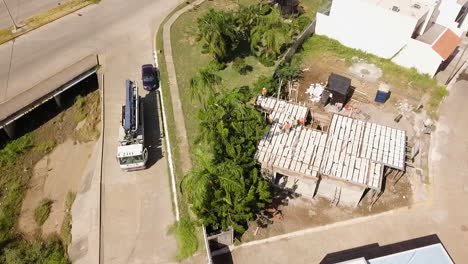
column 10, row 130
column 59, row 100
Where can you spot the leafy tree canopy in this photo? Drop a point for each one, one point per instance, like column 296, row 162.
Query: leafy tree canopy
column 226, row 188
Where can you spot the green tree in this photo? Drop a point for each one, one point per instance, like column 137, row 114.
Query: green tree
column 288, row 70
column 270, row 35
column 204, row 83
column 226, row 188
column 217, row 28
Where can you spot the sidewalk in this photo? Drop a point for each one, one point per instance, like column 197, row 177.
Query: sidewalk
column 186, row 162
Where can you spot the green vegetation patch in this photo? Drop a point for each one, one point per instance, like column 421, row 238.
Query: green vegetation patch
column 65, row 230
column 186, row 238
column 46, row 146
column 42, row 211
column 36, row 252
column 394, row 74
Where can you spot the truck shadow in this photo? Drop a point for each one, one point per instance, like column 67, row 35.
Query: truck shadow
column 152, row 128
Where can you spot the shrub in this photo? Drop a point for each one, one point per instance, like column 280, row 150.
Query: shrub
column 240, row 66
column 36, row 252
column 265, row 61
column 43, row 211
column 215, row 65
column 265, row 82
column 301, row 23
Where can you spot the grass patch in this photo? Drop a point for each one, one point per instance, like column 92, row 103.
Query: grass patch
column 46, row 17
column 80, row 103
column 14, row 149
column 38, row 251
column 186, row 238
column 9, row 211
column 393, row 74
column 42, row 212
column 65, row 230
column 46, row 146
column 310, row 7
column 80, row 116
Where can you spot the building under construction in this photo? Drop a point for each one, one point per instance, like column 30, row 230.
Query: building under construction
column 341, row 164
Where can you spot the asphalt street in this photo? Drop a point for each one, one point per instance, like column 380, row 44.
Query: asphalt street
column 22, row 9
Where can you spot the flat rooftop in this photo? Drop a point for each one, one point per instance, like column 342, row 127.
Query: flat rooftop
column 353, row 150
column 413, row 8
column 432, row 34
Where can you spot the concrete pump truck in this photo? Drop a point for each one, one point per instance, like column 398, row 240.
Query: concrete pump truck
column 131, row 151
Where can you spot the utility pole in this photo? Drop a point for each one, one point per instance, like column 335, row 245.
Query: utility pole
column 15, row 27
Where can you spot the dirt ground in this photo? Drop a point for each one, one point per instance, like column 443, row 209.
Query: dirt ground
column 300, row 213
column 53, row 177
column 59, row 171
column 365, row 79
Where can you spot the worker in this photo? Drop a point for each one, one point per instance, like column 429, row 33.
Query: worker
column 287, row 126
column 295, row 123
column 264, row 91
column 301, row 121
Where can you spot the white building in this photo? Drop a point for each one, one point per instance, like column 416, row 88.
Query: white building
column 420, row 34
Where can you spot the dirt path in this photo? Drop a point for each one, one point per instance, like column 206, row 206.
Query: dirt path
column 54, row 176
column 186, row 162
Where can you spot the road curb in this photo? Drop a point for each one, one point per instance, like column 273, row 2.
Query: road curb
column 166, row 135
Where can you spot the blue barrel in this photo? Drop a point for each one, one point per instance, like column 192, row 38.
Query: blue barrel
column 381, row 96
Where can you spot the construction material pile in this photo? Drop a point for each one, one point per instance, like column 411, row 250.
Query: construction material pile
column 315, row 91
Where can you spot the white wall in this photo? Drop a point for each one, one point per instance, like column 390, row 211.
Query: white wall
column 447, row 13
column 361, row 25
column 420, row 56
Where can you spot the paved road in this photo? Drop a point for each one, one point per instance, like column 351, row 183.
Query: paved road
column 445, row 215
column 137, row 208
column 22, row 9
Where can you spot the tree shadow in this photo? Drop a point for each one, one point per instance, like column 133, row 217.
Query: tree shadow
column 49, row 109
column 152, row 110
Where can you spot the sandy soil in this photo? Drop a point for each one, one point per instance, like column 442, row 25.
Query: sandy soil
column 299, row 213
column 53, row 177
column 59, row 171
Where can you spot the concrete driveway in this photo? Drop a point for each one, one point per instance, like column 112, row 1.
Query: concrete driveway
column 444, row 215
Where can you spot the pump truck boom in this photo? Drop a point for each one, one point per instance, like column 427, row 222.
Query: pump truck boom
column 131, row 151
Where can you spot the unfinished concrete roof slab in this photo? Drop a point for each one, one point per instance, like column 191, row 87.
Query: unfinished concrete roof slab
column 353, row 150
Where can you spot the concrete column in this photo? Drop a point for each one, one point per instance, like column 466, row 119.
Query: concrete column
column 10, row 130
column 58, row 100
